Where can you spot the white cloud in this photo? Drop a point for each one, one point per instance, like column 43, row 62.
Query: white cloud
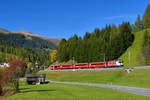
column 120, row 17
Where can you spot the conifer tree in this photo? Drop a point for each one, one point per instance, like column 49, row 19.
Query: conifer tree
column 138, row 24
column 146, row 17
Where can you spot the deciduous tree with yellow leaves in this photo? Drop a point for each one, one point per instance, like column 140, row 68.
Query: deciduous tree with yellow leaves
column 53, row 55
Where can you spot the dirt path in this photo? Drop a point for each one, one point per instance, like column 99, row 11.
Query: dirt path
column 134, row 90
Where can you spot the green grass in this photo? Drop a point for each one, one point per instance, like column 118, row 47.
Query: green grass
column 54, row 91
column 137, row 78
column 136, row 58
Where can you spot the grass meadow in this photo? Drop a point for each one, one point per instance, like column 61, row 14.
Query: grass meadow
column 53, row 91
column 136, row 57
column 137, row 78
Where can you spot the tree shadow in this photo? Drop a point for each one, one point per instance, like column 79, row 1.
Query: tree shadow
column 24, row 88
column 38, row 90
column 28, row 89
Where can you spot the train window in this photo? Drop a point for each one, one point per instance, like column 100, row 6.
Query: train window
column 66, row 65
column 97, row 63
column 120, row 61
column 56, row 66
column 81, row 65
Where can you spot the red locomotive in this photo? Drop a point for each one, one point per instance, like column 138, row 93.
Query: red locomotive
column 117, row 63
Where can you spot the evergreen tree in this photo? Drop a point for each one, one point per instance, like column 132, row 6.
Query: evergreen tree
column 113, row 32
column 146, row 17
column 138, row 24
column 110, row 42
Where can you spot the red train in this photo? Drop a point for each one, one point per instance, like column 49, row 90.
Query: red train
column 117, row 63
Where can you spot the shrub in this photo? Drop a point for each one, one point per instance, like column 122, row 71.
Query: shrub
column 11, row 74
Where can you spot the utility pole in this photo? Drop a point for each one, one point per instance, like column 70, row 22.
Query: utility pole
column 73, row 60
column 56, row 62
column 129, row 57
column 104, row 59
column 132, row 56
column 73, row 63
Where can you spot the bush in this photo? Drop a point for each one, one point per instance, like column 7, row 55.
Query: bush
column 11, row 74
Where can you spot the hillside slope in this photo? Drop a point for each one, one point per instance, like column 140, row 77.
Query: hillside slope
column 3, row 30
column 20, row 40
column 55, row 41
column 133, row 55
column 26, row 46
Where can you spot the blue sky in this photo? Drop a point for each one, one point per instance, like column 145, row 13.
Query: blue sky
column 63, row 18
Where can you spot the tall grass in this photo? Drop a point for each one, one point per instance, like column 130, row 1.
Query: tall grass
column 133, row 56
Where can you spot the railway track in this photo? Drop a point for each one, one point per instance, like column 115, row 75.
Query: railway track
column 98, row 69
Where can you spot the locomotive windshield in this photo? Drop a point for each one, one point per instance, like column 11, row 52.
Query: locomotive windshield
column 120, row 61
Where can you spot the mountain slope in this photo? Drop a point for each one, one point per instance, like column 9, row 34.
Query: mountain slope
column 134, row 56
column 19, row 40
column 3, row 30
column 26, row 46
column 55, row 41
